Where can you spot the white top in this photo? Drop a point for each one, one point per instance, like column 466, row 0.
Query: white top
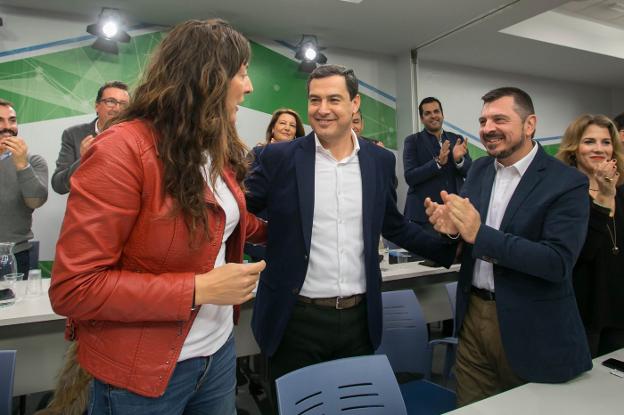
column 505, row 183
column 213, row 324
column 336, row 263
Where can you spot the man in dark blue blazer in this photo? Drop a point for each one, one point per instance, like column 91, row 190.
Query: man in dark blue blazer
column 523, row 222
column 329, row 196
column 433, row 160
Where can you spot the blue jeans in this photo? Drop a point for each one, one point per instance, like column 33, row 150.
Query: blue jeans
column 199, row 386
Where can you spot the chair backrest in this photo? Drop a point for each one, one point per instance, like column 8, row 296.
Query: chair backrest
column 7, row 371
column 405, row 337
column 363, row 385
column 451, row 290
column 33, row 254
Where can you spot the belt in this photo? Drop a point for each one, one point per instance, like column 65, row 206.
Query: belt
column 338, row 303
column 483, row 294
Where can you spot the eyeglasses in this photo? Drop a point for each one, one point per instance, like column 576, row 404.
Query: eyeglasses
column 112, row 102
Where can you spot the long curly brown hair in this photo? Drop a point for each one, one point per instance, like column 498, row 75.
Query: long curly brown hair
column 183, row 94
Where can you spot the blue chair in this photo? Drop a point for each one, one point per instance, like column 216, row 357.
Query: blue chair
column 7, row 371
column 363, row 385
column 449, row 342
column 405, row 340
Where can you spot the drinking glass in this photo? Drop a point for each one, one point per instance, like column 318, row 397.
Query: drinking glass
column 33, row 284
column 19, row 288
column 7, row 290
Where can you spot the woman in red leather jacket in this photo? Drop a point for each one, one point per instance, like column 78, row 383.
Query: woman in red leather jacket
column 147, row 265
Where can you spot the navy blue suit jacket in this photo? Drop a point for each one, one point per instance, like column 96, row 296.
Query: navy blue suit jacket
column 533, row 253
column 283, row 184
column 424, row 177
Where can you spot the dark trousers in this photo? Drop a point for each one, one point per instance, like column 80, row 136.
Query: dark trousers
column 318, row 334
column 23, row 262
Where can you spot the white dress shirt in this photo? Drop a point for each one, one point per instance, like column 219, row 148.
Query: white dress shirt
column 336, row 262
column 505, row 183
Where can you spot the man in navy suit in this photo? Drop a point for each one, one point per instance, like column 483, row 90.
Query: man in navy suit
column 523, row 223
column 433, row 160
column 329, row 196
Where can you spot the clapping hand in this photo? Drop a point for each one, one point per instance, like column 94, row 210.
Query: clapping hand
column 85, row 144
column 460, row 149
column 606, row 176
column 18, row 147
column 444, row 153
column 456, row 215
column 439, row 216
column 464, row 216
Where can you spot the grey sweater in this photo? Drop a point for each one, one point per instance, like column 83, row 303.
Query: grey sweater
column 15, row 186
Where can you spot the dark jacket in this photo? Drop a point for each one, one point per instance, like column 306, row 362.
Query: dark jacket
column 283, row 184
column 540, row 237
column 424, row 177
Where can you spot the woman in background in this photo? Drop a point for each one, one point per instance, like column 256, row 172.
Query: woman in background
column 146, row 263
column 285, row 125
column 591, row 144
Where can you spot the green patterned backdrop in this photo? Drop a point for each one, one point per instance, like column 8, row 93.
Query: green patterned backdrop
column 63, row 84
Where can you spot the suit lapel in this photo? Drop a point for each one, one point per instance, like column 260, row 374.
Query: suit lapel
column 486, row 190
column 369, row 189
column 433, row 143
column 304, row 167
column 530, row 179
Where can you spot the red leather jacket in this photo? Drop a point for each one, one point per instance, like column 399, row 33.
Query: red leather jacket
column 124, row 271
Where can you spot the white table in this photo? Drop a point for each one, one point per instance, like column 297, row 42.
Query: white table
column 37, row 333
column 596, row 392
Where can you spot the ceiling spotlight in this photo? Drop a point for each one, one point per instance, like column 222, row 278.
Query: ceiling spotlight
column 308, row 52
column 109, row 30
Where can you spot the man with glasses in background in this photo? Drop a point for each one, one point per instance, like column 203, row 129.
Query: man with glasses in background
column 112, row 97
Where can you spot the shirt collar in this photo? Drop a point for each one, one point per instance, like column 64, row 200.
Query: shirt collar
column 433, row 135
column 97, row 130
column 521, row 165
column 320, row 149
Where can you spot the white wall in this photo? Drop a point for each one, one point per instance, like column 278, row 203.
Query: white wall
column 460, row 89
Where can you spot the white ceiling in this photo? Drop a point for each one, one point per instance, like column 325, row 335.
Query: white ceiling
column 390, row 27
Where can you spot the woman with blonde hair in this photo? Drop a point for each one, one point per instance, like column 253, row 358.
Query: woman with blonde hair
column 591, row 144
column 285, row 125
column 147, row 265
